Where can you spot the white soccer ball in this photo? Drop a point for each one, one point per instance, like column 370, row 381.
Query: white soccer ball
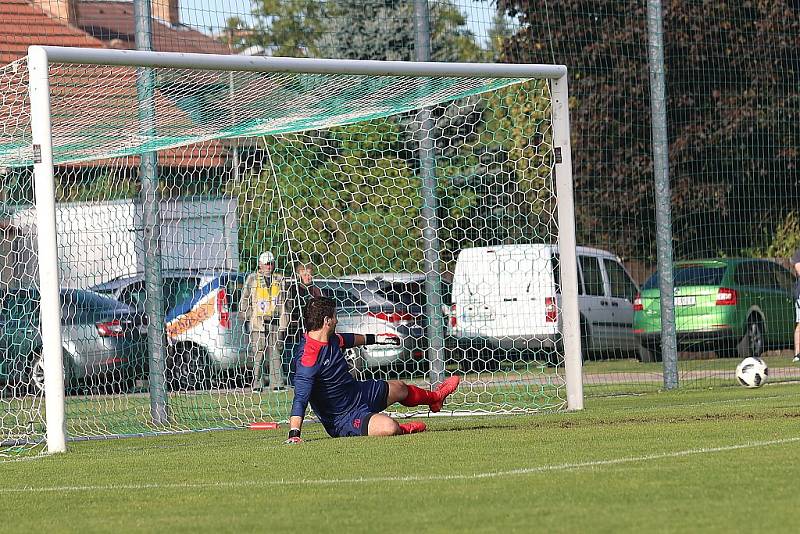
column 752, row 372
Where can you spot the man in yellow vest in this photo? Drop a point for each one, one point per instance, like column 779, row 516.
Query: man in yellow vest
column 262, row 305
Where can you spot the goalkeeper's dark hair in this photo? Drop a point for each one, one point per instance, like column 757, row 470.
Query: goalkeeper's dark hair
column 317, row 309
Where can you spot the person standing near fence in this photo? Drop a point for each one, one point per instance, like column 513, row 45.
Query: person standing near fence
column 299, row 291
column 796, row 266
column 262, row 305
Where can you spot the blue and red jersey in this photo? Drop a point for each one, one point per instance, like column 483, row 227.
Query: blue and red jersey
column 322, row 378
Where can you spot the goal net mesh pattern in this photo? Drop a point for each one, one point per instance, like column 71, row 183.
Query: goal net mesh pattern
column 327, row 174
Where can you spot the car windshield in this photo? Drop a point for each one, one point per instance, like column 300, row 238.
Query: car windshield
column 408, row 293
column 346, row 294
column 691, row 275
column 75, row 305
column 411, row 293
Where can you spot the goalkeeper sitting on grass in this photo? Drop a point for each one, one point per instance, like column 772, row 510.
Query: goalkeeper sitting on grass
column 344, row 405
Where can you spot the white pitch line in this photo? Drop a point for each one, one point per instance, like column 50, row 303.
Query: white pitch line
column 410, row 478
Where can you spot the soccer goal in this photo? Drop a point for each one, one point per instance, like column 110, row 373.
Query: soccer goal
column 143, row 189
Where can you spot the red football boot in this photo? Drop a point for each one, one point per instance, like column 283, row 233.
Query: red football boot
column 413, row 427
column 443, row 391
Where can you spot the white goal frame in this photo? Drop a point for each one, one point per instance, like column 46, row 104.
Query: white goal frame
column 39, row 59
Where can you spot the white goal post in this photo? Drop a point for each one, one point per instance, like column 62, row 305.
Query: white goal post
column 40, row 60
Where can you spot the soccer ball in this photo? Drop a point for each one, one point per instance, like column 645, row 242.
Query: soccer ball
column 752, row 372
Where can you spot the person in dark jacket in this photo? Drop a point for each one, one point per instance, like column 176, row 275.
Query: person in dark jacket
column 299, row 291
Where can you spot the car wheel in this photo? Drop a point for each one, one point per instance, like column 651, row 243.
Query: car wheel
column 31, row 375
column 650, row 354
column 35, row 375
column 186, row 369
column 753, row 342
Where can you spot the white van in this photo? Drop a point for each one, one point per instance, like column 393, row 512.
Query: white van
column 509, row 297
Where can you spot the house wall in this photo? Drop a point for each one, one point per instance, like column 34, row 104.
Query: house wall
column 99, row 241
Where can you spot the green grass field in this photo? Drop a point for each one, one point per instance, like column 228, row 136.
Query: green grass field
column 712, row 460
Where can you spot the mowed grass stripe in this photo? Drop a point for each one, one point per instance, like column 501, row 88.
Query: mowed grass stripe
column 411, row 478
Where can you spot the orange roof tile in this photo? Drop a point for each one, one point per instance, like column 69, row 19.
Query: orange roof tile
column 23, row 25
column 113, row 23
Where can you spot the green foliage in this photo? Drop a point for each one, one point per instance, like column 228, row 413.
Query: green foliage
column 96, row 183
column 282, row 27
column 784, row 241
column 345, row 201
column 494, row 187
column 731, row 73
column 385, row 30
column 353, row 29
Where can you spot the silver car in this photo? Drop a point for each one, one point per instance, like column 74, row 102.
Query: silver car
column 102, row 345
column 370, row 307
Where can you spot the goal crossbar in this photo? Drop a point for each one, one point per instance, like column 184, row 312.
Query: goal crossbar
column 133, row 58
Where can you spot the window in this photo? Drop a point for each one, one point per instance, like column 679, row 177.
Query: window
column 345, row 295
column 555, row 263
column 408, row 293
column 745, row 275
column 134, row 296
column 592, row 276
column 177, row 290
column 691, row 275
column 621, row 284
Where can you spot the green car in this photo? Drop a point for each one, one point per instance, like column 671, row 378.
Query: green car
column 733, row 306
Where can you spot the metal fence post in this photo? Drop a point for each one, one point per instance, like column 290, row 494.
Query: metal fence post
column 663, row 196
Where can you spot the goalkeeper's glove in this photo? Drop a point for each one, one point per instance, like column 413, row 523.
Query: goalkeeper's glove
column 294, row 437
column 382, row 339
column 387, row 339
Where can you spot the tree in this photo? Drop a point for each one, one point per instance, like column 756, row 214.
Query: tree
column 385, row 30
column 732, row 83
column 341, row 196
column 282, row 27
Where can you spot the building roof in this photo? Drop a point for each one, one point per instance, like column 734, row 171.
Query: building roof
column 23, row 24
column 113, row 24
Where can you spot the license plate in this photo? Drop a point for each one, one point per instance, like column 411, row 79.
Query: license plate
column 684, row 301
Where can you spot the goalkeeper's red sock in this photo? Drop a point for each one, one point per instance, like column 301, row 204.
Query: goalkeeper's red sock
column 413, row 427
column 417, row 396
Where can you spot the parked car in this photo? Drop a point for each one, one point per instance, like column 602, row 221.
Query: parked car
column 179, row 285
column 402, row 288
column 734, row 306
column 200, row 343
column 370, row 306
column 508, row 298
column 206, row 334
column 102, row 345
column 409, row 289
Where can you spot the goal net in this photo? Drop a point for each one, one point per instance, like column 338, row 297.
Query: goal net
column 198, row 206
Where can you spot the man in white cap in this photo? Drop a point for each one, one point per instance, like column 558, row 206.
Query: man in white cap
column 262, row 304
